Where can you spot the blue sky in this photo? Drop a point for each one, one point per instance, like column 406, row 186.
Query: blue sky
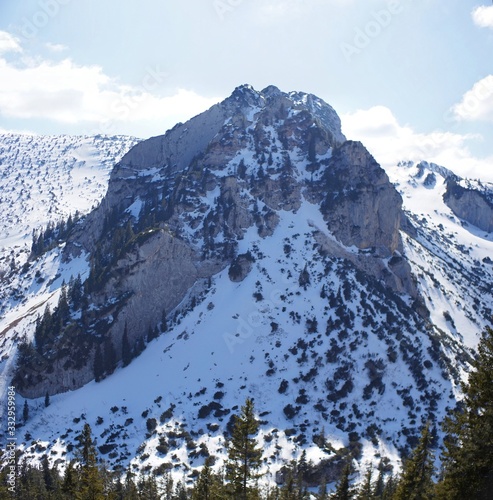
column 410, row 78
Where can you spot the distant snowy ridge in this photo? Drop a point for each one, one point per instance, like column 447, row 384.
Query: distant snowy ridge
column 46, row 178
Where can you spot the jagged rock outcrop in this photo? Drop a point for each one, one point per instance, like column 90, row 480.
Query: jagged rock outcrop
column 472, row 205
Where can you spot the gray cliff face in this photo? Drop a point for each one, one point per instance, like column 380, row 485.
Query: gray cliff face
column 56, row 379
column 163, row 264
column 360, row 205
column 177, row 206
column 472, row 205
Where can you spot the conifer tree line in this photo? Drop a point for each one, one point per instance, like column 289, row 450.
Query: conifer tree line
column 466, row 472
column 69, row 329
column 46, row 239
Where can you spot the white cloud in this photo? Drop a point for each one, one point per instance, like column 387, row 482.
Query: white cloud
column 477, row 103
column 390, row 142
column 8, row 43
column 69, row 93
column 56, row 47
column 483, row 16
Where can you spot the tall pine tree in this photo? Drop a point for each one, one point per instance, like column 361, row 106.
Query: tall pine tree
column 243, row 454
column 468, row 456
column 344, row 491
column 366, row 490
column 91, row 485
column 416, row 482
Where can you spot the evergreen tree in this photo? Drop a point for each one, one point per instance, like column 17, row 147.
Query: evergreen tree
column 242, row 169
column 366, row 491
column 343, row 487
column 52, row 480
column 416, row 482
column 149, row 490
column 63, row 308
column 47, row 399
column 389, row 489
column 468, row 456
column 203, row 488
column 76, row 292
column 109, row 356
column 380, row 484
column 288, row 490
column 70, row 481
column 301, row 472
column 304, row 279
column 181, row 492
column 153, row 333
column 91, row 485
column 243, row 454
column 168, row 486
column 30, row 483
column 322, row 491
column 130, row 491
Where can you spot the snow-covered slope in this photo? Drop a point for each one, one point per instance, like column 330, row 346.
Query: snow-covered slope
column 451, row 258
column 46, row 178
column 306, row 358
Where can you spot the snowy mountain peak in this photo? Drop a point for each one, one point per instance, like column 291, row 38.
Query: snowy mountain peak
column 469, row 199
column 422, row 167
column 252, row 252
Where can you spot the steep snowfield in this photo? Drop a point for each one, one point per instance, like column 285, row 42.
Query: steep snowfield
column 449, row 256
column 46, row 178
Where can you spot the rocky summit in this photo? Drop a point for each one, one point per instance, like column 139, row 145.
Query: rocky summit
column 255, row 252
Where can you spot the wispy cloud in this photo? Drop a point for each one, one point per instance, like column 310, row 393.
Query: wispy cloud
column 69, row 93
column 56, row 47
column 483, row 16
column 391, row 142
